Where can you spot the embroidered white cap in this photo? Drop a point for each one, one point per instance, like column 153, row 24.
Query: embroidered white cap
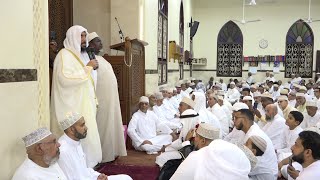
column 36, row 136
column 188, row 101
column 92, row 36
column 208, row 131
column 144, row 99
column 239, row 105
column 69, row 120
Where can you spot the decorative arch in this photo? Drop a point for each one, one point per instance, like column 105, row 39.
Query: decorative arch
column 162, row 41
column 299, row 50
column 229, row 50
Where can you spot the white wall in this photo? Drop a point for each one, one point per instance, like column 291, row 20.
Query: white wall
column 95, row 16
column 24, row 105
column 276, row 20
column 151, row 33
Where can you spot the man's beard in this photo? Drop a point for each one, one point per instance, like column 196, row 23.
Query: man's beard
column 79, row 135
column 298, row 158
column 269, row 118
column 51, row 160
column 240, row 127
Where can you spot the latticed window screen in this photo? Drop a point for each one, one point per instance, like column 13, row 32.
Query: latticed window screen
column 299, row 50
column 181, row 38
column 229, row 51
column 162, row 41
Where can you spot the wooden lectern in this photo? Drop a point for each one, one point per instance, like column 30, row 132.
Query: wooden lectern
column 129, row 70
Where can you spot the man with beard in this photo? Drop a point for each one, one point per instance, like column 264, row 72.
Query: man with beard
column 306, row 152
column 275, row 125
column 109, row 119
column 266, row 167
column 72, row 158
column 73, row 89
column 43, row 152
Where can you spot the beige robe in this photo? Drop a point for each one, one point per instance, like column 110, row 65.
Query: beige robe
column 109, row 117
column 73, row 90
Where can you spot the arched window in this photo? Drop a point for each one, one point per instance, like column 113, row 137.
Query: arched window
column 181, row 37
column 229, row 51
column 299, row 50
column 162, row 41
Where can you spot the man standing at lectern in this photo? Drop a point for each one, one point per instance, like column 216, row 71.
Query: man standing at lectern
column 109, row 119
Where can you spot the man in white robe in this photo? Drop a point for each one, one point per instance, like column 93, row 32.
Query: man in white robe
column 219, row 160
column 43, row 152
column 165, row 112
column 233, row 95
column 216, row 110
column 305, row 152
column 275, row 125
column 284, row 105
column 146, row 131
column 189, row 119
column 72, row 158
column 73, row 89
column 266, row 167
column 109, row 119
column 312, row 117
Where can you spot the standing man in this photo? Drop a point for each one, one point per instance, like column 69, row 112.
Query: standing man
column 73, row 89
column 109, row 119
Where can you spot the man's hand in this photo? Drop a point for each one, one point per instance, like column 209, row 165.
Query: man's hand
column 146, row 142
column 163, row 149
column 292, row 172
column 93, row 63
column 257, row 113
column 102, row 177
column 174, row 135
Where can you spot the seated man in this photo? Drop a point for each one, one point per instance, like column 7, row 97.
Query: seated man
column 306, row 152
column 204, row 135
column 43, row 152
column 72, row 158
column 144, row 129
column 219, row 160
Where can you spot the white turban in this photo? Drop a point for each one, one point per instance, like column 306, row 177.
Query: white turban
column 222, row 160
column 73, row 39
column 92, row 36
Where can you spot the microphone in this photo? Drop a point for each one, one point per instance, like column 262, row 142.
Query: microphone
column 90, row 51
column 120, row 31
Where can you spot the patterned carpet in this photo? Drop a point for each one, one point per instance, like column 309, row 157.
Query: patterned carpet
column 138, row 165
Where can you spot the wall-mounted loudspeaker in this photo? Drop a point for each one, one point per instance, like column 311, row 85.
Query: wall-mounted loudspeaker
column 194, row 28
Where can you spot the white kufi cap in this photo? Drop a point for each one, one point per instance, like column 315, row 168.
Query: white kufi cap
column 92, row 36
column 188, row 101
column 208, row 131
column 144, row 99
column 69, row 120
column 36, row 136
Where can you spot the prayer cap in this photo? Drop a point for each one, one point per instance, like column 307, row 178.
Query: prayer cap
column 300, row 94
column 253, row 86
column 36, row 136
column 293, row 93
column 259, row 142
column 252, row 158
column 275, row 85
column 256, row 94
column 188, row 101
column 284, row 91
column 92, row 36
column 247, row 98
column 311, row 103
column 69, row 120
column 220, row 92
column 315, row 128
column 267, row 95
column 188, row 81
column 144, row 99
column 218, row 85
column 282, row 98
column 239, row 105
column 220, row 97
column 208, row 131
column 192, row 84
column 193, row 79
column 232, row 83
column 178, row 84
column 158, row 95
column 170, row 90
column 303, row 88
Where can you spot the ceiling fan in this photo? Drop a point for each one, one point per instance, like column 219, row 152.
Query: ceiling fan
column 243, row 21
column 309, row 19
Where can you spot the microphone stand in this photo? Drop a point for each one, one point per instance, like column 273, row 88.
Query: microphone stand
column 120, row 31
